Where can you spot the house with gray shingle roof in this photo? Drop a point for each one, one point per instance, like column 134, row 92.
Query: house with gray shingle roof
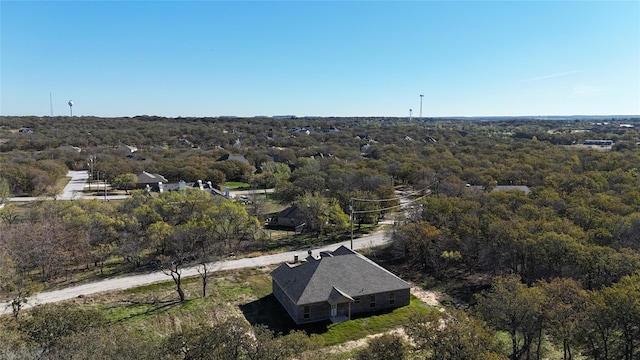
column 146, row 179
column 238, row 158
column 335, row 285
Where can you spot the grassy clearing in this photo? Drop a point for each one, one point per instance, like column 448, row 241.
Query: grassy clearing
column 375, row 324
column 237, row 185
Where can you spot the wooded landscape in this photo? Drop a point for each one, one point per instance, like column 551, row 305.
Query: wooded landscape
column 560, row 265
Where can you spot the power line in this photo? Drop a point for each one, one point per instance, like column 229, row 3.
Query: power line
column 381, row 200
column 384, row 209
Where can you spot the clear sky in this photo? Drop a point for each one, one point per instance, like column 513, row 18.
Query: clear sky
column 325, row 58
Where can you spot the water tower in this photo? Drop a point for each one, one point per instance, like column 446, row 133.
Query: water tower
column 71, row 107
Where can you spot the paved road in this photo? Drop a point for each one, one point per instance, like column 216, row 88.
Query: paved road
column 79, row 181
column 158, row 276
column 72, row 191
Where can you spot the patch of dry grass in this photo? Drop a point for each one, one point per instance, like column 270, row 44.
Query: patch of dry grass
column 157, row 308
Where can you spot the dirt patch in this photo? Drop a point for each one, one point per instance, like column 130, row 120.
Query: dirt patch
column 431, row 298
column 354, row 344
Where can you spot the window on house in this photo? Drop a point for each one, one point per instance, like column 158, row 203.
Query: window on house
column 307, row 312
column 372, row 301
column 356, row 300
column 392, row 298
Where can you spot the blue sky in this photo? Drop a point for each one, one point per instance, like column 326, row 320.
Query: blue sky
column 326, row 58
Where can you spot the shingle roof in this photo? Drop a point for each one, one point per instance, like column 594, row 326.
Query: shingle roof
column 522, row 188
column 344, row 273
column 292, row 211
column 147, row 178
column 240, row 158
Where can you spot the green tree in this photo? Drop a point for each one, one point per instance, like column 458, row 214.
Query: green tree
column 224, row 341
column 5, row 192
column 418, row 242
column 233, row 225
column 113, row 342
column 383, row 347
column 564, row 309
column 513, row 307
column 452, row 335
column 321, row 213
column 125, row 181
column 51, row 325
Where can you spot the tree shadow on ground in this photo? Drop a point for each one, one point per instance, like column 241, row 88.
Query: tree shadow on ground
column 268, row 312
column 136, row 309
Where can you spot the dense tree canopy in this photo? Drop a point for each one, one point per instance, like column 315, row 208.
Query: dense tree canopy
column 565, row 256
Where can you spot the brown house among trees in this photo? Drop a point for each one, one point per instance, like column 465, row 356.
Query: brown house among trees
column 335, row 285
column 290, row 218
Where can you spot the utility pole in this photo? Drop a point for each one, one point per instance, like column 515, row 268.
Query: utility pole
column 105, row 186
column 351, row 220
column 91, row 159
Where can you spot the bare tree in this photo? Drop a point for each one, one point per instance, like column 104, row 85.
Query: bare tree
column 174, row 269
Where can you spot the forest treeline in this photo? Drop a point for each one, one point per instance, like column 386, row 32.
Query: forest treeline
column 565, row 258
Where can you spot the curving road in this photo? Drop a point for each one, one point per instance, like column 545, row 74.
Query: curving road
column 127, row 282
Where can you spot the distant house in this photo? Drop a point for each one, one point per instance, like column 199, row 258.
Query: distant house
column 182, row 185
column 335, row 285
column 128, row 149
column 478, row 188
column 524, row 189
column 291, row 218
column 146, row 179
column 239, row 158
column 598, row 142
